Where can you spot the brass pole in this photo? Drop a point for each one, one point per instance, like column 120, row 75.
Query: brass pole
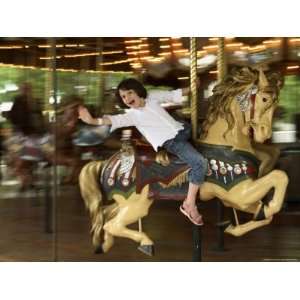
column 197, row 233
column 221, row 66
column 51, row 205
column 193, row 87
column 140, row 225
column 221, row 63
column 100, row 77
column 236, row 217
column 48, row 80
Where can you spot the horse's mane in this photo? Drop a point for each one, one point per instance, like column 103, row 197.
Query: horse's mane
column 235, row 83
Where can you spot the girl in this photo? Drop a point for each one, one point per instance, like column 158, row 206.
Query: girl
column 160, row 129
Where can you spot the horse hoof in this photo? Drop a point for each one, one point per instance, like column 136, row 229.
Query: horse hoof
column 229, row 228
column 234, row 230
column 99, row 250
column 147, row 249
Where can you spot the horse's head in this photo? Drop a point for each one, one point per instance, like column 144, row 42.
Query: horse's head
column 258, row 103
column 246, row 100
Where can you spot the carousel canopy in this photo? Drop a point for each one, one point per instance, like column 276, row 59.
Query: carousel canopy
column 154, row 55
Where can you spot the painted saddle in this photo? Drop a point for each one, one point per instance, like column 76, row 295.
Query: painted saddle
column 126, row 172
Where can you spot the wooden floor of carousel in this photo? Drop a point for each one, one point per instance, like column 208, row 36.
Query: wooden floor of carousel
column 23, row 237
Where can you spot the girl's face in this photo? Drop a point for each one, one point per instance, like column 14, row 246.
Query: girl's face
column 131, row 98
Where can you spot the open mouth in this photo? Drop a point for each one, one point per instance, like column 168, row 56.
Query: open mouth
column 131, row 102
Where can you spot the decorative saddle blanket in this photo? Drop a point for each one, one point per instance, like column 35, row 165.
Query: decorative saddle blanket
column 228, row 167
column 125, row 173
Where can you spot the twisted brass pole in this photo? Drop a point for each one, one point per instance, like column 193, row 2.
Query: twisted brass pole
column 221, row 63
column 221, row 67
column 197, row 234
column 193, row 87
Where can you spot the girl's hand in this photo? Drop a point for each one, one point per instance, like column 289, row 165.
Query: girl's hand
column 85, row 116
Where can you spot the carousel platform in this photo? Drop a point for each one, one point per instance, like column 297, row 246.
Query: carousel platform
column 29, row 233
column 24, row 238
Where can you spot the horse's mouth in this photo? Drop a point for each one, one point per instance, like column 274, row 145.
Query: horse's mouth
column 251, row 129
column 251, row 132
column 259, row 132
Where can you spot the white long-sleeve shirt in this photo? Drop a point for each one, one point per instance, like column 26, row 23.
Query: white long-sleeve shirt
column 152, row 120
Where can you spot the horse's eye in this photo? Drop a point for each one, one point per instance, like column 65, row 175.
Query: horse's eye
column 264, row 99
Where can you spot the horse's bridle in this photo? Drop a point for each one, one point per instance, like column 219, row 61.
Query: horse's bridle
column 252, row 107
column 246, row 101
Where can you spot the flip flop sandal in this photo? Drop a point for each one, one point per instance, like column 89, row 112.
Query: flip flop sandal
column 189, row 216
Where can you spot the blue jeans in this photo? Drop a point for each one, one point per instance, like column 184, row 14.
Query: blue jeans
column 180, row 147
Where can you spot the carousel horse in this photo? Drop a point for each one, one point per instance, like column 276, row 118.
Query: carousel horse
column 239, row 172
column 53, row 147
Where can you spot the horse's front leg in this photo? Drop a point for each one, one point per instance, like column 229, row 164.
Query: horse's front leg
column 268, row 155
column 248, row 193
column 247, row 196
column 241, row 229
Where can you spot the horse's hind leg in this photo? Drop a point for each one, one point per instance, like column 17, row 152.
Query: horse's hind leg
column 122, row 231
column 130, row 210
column 102, row 241
column 109, row 211
column 116, row 228
column 108, row 241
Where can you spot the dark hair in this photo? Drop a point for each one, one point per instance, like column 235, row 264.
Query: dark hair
column 131, row 84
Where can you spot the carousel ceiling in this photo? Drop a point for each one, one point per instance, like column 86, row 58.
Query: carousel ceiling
column 154, row 55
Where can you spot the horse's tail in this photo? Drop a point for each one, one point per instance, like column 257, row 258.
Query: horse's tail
column 92, row 196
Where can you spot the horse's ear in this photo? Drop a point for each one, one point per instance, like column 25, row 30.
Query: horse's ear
column 262, row 80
